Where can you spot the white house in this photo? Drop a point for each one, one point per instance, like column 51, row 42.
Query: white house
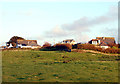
column 23, row 44
column 95, row 41
column 103, row 42
column 70, row 41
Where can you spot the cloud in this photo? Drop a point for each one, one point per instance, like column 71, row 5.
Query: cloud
column 82, row 38
column 56, row 32
column 83, row 25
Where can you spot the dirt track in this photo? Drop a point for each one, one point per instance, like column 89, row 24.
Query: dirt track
column 92, row 51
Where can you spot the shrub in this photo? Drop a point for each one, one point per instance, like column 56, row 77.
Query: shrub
column 114, row 47
column 92, row 47
column 118, row 51
column 98, row 49
column 74, row 46
column 46, row 45
column 63, row 46
column 111, row 44
column 86, row 46
column 49, row 48
column 118, row 45
column 111, row 50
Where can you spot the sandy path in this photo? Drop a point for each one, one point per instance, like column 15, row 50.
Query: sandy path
column 92, row 51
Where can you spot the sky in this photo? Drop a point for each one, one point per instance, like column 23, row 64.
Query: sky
column 54, row 21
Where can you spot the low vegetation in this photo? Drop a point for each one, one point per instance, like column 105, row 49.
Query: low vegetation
column 58, row 66
column 56, row 47
column 92, row 47
column 66, row 47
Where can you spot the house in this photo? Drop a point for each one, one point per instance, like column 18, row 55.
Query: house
column 9, row 45
column 27, row 44
column 103, row 42
column 94, row 41
column 70, row 41
column 103, row 45
column 22, row 43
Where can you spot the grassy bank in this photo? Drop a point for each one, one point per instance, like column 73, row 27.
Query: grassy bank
column 52, row 66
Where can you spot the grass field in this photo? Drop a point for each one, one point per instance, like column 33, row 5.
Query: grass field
column 58, row 66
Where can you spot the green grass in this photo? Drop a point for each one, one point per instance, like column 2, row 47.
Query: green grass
column 56, row 66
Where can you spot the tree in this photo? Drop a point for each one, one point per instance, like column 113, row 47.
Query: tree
column 14, row 39
column 46, row 44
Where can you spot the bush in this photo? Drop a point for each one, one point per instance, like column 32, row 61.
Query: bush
column 111, row 44
column 86, row 46
column 114, row 47
column 63, row 46
column 74, row 46
column 98, row 49
column 111, row 50
column 118, row 45
column 46, row 45
column 92, row 47
column 49, row 48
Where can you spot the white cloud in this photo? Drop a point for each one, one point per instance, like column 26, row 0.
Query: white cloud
column 56, row 32
column 80, row 27
column 85, row 23
column 82, row 38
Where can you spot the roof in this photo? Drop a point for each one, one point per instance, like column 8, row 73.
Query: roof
column 94, row 40
column 68, row 40
column 33, row 43
column 22, row 42
column 28, row 42
column 103, row 44
column 105, row 38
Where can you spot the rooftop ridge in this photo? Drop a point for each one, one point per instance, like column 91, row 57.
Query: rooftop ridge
column 105, row 38
column 25, row 40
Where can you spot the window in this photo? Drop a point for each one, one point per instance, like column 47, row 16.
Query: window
column 24, row 45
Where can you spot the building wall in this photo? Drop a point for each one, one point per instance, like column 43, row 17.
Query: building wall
column 72, row 43
column 94, row 42
column 105, row 47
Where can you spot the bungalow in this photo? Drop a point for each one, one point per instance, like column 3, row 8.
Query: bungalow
column 103, row 42
column 70, row 41
column 103, row 45
column 22, row 43
column 94, row 41
column 26, row 44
